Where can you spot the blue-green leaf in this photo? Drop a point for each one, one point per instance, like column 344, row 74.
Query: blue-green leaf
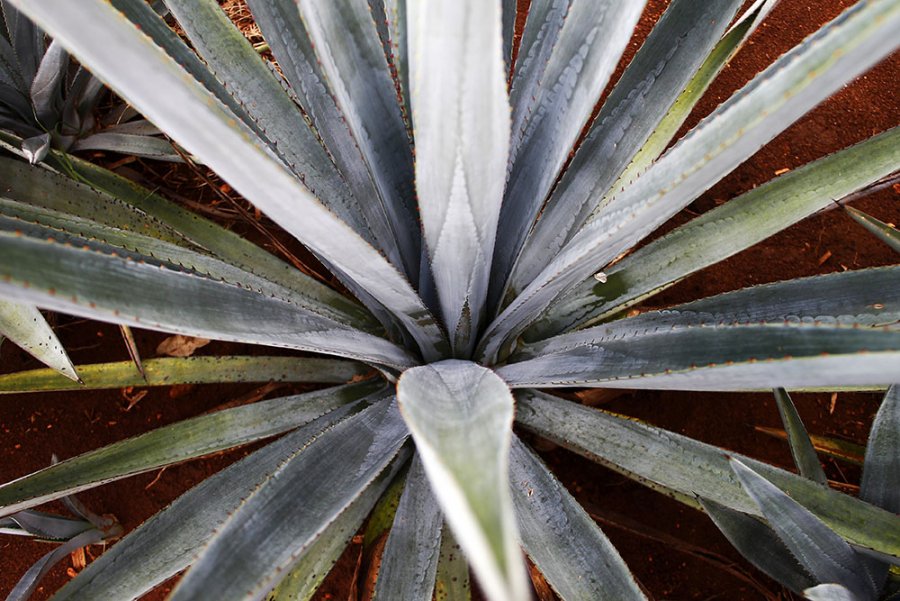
column 759, row 545
column 410, row 560
column 26, row 327
column 819, row 550
column 292, row 507
column 685, row 469
column 462, row 122
column 175, row 443
column 565, row 544
column 774, row 99
column 168, row 542
column 805, row 457
column 460, row 416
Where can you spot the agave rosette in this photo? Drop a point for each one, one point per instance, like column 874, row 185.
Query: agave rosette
column 473, row 271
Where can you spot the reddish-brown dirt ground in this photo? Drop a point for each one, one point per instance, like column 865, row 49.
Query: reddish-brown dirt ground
column 674, row 551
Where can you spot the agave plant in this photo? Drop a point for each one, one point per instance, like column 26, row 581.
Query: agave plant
column 486, row 268
column 47, row 99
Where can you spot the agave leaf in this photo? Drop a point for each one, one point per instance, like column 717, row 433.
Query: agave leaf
column 660, row 70
column 47, row 87
column 133, row 352
column 305, row 577
column 151, row 22
column 246, row 76
column 358, row 75
column 883, row 231
column 452, row 578
column 26, row 327
column 566, row 545
column 819, row 550
column 26, row 585
column 96, row 280
column 461, row 119
column 43, row 526
column 169, row 541
column 294, row 506
column 73, row 230
column 36, row 148
column 148, row 147
column 158, row 87
column 716, row 60
column 802, row 449
column 829, row 592
column 171, row 371
column 409, row 564
column 45, row 189
column 553, row 105
column 395, row 12
column 175, row 443
column 27, row 41
column 723, row 232
column 509, row 29
column 881, row 470
column 781, row 333
column 685, row 469
column 283, row 29
column 137, row 127
column 224, row 244
column 774, row 99
column 759, row 545
column 460, row 416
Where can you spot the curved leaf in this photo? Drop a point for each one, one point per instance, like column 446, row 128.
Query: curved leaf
column 294, row 506
column 462, row 120
column 571, row 552
column 30, row 580
column 685, row 469
column 175, row 443
column 460, row 416
column 26, row 327
column 158, row 87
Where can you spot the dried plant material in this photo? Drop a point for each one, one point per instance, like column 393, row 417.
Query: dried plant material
column 180, row 346
column 79, row 561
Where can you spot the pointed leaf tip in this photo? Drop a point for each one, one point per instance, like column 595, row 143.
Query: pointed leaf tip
column 460, row 415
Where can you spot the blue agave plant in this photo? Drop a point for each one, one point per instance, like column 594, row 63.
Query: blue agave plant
column 485, row 265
